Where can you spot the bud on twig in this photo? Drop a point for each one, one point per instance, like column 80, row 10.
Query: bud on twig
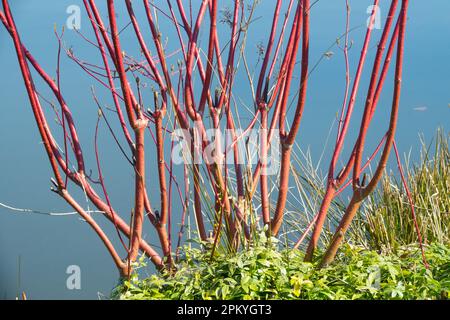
column 156, row 100
column 266, row 90
column 216, row 98
column 363, row 182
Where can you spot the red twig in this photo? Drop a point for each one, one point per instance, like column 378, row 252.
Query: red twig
column 411, row 203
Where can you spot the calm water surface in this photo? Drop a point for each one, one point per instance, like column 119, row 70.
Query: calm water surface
column 46, row 246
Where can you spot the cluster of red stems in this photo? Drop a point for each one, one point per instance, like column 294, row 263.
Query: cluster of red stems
column 288, row 43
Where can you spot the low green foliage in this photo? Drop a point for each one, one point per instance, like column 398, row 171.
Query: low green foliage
column 264, row 272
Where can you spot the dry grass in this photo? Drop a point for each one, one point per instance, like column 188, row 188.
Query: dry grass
column 385, row 222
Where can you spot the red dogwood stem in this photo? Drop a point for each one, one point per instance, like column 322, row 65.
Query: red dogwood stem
column 362, row 192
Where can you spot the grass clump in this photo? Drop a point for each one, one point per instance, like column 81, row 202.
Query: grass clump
column 386, row 222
